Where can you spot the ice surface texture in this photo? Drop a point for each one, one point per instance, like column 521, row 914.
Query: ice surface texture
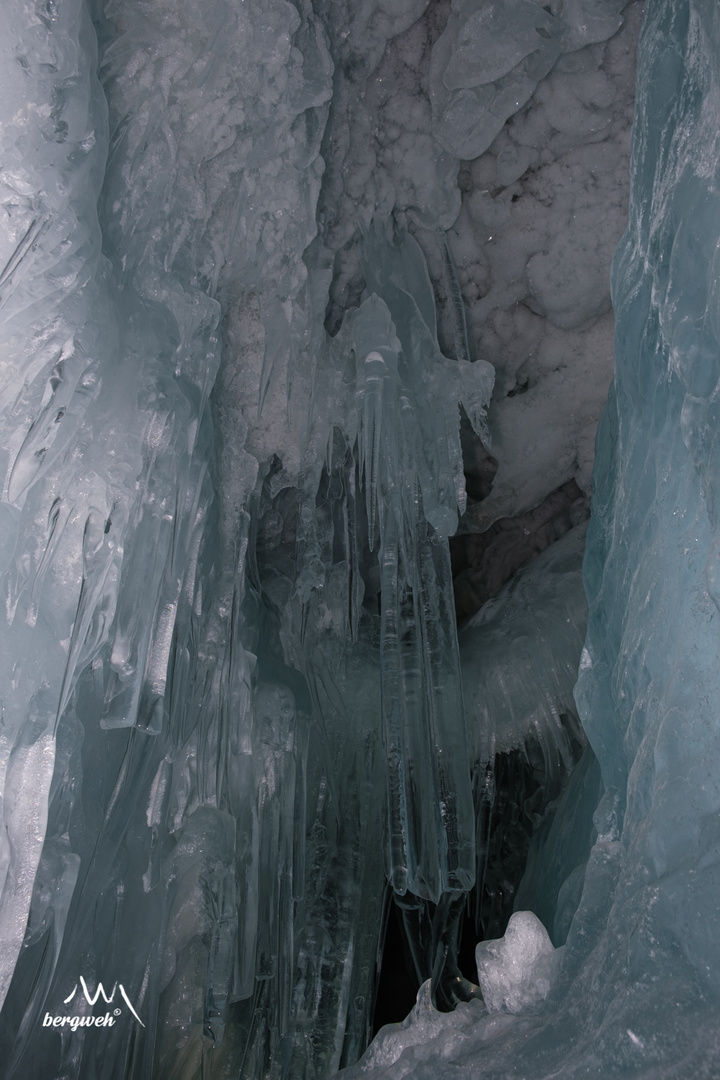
column 229, row 652
column 120, row 582
column 64, row 514
column 491, row 57
column 520, row 653
column 543, row 210
column 533, row 223
column 213, row 828
column 637, row 994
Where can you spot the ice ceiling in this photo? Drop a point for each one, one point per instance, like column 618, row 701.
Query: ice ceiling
column 306, row 330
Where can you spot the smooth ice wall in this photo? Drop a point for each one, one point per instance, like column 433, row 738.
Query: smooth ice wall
column 649, row 678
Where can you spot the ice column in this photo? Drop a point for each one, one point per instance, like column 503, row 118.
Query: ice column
column 400, row 426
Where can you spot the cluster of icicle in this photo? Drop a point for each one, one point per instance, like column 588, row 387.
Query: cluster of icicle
column 205, row 782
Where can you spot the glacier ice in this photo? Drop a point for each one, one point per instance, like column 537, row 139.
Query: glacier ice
column 636, row 993
column 255, row 257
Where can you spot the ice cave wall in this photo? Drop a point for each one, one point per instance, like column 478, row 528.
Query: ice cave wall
column 232, row 687
column 637, row 992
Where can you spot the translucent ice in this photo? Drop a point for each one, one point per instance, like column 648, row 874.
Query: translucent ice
column 232, row 844
column 111, row 548
column 637, row 993
column 232, row 703
column 63, row 517
column 397, row 433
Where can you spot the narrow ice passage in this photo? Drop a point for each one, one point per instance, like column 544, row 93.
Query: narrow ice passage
column 306, row 330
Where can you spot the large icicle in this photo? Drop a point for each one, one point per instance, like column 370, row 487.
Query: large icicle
column 402, row 430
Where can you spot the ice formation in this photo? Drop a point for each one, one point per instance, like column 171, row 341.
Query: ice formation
column 262, row 263
column 517, row 971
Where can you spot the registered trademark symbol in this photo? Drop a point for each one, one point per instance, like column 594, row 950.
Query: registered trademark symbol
column 90, row 1021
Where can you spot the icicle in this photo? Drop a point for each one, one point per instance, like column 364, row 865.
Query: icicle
column 371, row 433
column 455, row 301
column 393, row 707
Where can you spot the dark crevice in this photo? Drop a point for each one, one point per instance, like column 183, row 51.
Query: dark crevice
column 522, row 385
column 483, row 562
column 513, row 793
column 398, row 984
column 513, row 798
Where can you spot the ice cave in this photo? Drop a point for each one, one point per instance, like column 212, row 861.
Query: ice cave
column 360, row 654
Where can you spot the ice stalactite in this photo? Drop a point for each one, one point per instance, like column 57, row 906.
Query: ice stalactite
column 398, row 440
